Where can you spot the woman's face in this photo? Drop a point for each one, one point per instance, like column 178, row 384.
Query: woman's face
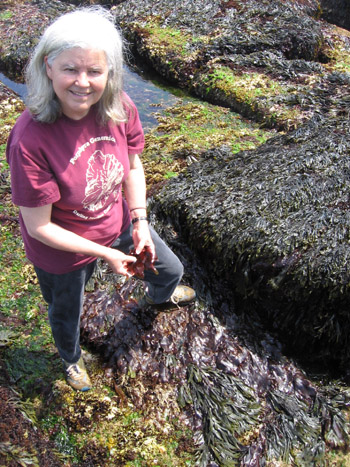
column 79, row 78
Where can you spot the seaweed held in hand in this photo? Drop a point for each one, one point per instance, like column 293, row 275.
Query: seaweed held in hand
column 143, row 262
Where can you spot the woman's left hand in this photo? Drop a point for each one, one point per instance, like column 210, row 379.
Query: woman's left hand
column 142, row 238
column 135, row 193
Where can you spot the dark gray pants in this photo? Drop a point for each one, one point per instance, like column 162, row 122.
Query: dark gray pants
column 64, row 293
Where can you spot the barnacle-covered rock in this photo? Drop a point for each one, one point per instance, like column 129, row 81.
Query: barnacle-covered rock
column 274, row 222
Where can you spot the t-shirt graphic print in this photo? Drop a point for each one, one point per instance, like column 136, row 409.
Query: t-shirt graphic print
column 103, row 179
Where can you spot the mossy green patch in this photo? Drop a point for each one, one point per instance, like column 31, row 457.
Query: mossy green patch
column 5, row 15
column 96, row 427
column 190, row 127
column 10, row 109
column 19, row 291
column 168, row 39
column 339, row 52
column 246, row 86
column 29, row 370
column 275, row 103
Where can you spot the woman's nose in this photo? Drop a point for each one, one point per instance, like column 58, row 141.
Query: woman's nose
column 82, row 79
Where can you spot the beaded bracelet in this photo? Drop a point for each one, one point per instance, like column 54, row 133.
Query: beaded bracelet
column 136, row 219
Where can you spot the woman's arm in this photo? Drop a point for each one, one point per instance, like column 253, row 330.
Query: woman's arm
column 39, row 226
column 135, row 194
column 135, row 187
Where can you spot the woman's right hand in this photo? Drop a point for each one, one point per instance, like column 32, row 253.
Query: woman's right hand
column 118, row 261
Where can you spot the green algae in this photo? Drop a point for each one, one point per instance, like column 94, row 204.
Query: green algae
column 190, row 127
column 5, row 15
column 275, row 103
column 100, row 428
column 167, row 38
column 246, row 86
column 11, row 108
column 338, row 54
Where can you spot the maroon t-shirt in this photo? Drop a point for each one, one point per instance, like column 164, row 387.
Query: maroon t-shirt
column 78, row 166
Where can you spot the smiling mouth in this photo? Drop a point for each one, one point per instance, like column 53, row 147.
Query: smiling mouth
column 80, row 94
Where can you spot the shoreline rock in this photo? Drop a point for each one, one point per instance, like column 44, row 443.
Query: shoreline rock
column 270, row 61
column 273, row 223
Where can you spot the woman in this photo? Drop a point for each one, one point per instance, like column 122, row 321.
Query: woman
column 71, row 153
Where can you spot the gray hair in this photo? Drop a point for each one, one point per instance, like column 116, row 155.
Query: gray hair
column 87, row 28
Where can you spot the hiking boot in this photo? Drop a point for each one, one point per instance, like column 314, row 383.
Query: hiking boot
column 77, row 376
column 182, row 295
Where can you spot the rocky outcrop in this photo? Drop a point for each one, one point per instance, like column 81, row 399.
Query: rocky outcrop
column 273, row 224
column 272, row 61
column 21, row 23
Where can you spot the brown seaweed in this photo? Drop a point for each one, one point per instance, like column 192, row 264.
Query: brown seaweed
column 245, row 402
column 274, row 222
column 143, row 262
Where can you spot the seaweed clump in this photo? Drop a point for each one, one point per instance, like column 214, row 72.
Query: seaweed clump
column 22, row 442
column 274, row 224
column 143, row 263
column 200, row 365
